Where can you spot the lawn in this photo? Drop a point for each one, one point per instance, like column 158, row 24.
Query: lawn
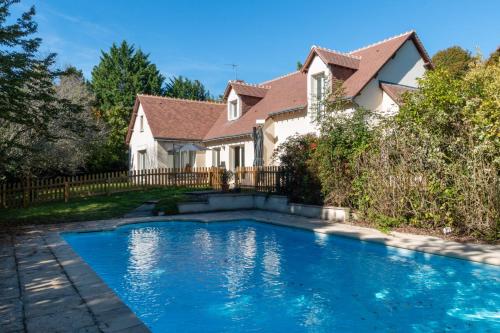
column 94, row 208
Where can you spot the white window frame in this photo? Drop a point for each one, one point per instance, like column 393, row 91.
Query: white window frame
column 233, row 110
column 183, row 158
column 141, row 159
column 318, row 86
column 241, row 156
column 216, row 157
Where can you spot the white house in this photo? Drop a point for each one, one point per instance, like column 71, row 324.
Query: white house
column 163, row 131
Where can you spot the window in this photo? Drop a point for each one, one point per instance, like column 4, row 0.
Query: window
column 192, row 158
column 233, row 109
column 318, row 89
column 141, row 124
column 141, row 160
column 185, row 158
column 238, row 156
column 216, row 157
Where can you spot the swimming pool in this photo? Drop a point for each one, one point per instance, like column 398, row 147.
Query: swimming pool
column 247, row 276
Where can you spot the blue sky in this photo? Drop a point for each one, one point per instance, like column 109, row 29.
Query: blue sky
column 198, row 39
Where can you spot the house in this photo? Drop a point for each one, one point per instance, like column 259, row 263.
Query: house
column 168, row 132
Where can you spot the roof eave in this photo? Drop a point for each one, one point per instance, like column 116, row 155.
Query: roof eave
column 132, row 120
column 163, row 138
column 233, row 136
column 286, row 111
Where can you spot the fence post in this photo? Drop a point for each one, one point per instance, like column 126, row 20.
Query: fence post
column 66, row 189
column 106, row 184
column 236, row 180
column 255, row 180
column 26, row 192
column 210, row 177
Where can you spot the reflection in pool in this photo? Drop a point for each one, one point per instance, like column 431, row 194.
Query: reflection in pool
column 245, row 276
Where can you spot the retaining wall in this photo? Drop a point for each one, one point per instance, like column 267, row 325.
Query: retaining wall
column 276, row 203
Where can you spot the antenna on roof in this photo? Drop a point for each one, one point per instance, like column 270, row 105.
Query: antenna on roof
column 235, row 69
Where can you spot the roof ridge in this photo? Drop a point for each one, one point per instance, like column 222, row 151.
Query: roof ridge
column 256, row 85
column 182, row 99
column 281, row 77
column 382, row 41
column 346, row 54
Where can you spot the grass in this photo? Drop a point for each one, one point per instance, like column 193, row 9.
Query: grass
column 94, row 208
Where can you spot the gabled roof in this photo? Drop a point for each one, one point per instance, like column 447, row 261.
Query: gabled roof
column 395, row 91
column 332, row 57
column 375, row 56
column 194, row 120
column 371, row 59
column 246, row 89
column 176, row 119
column 284, row 93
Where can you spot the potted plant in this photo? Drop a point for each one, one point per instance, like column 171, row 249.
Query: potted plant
column 226, row 177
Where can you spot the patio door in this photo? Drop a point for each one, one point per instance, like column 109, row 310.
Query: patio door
column 238, row 156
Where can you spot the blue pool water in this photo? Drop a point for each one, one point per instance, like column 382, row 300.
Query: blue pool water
column 246, row 276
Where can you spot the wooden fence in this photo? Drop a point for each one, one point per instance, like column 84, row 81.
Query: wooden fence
column 30, row 191
column 262, row 179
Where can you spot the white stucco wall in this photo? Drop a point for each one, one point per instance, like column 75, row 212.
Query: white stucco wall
column 403, row 69
column 140, row 141
column 225, row 153
column 388, row 107
column 230, row 98
column 284, row 127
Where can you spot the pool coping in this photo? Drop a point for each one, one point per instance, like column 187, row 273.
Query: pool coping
column 114, row 315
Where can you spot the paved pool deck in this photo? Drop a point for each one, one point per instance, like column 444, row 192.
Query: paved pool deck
column 46, row 287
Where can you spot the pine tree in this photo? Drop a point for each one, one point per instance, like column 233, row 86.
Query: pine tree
column 123, row 72
column 181, row 87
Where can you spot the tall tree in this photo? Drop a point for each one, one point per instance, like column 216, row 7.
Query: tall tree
column 28, row 101
column 181, row 87
column 75, row 132
column 123, row 72
column 455, row 60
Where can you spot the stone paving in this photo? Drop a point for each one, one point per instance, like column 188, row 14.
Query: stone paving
column 38, row 294
column 46, row 287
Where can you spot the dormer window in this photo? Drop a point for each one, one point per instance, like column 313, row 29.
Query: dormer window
column 318, row 86
column 318, row 89
column 233, row 109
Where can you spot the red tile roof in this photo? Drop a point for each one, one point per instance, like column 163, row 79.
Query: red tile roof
column 374, row 57
column 246, row 89
column 332, row 57
column 286, row 92
column 177, row 119
column 192, row 120
column 395, row 91
column 370, row 59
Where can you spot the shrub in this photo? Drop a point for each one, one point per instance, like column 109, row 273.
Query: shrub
column 436, row 164
column 295, row 155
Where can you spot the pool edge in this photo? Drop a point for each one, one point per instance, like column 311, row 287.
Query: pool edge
column 481, row 253
column 109, row 311
column 113, row 315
